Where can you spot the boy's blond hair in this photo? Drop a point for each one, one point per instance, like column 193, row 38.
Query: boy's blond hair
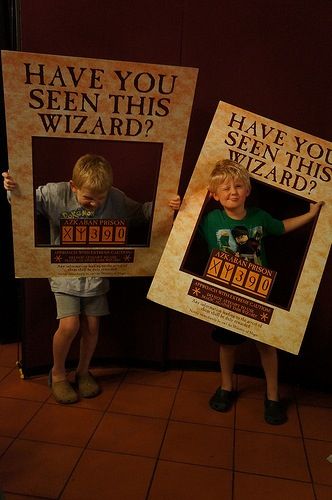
column 93, row 172
column 225, row 169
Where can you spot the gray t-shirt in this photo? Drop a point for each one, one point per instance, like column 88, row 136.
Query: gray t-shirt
column 56, row 200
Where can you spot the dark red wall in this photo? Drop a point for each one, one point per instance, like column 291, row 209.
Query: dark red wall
column 273, row 58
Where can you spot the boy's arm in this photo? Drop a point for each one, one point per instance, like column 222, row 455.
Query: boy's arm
column 296, row 222
column 174, row 204
column 10, row 185
column 8, row 182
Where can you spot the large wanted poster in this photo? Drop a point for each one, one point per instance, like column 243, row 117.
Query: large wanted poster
column 136, row 115
column 289, row 170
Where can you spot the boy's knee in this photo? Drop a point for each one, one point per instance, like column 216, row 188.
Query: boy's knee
column 266, row 348
column 69, row 326
column 90, row 332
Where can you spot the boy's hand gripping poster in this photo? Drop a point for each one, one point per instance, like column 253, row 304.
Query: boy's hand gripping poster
column 135, row 116
column 290, row 174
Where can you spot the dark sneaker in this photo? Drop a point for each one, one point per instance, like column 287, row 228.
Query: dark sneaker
column 274, row 412
column 222, row 400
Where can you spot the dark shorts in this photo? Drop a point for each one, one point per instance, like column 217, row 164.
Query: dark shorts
column 227, row 337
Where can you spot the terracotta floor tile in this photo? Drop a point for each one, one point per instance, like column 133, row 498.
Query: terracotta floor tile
column 34, row 389
column 170, row 378
column 9, row 354
column 109, row 376
column 129, row 434
column 100, row 402
column 193, row 406
column 104, row 476
column 38, row 469
column 198, row 444
column 109, row 381
column 316, row 422
column 251, row 387
column 317, row 452
column 250, row 416
column 111, row 373
column 323, row 492
column 272, row 455
column 4, row 371
column 62, row 424
column 4, row 444
column 313, row 398
column 12, row 496
column 254, row 387
column 175, row 481
column 15, row 414
column 254, row 487
column 200, row 381
column 144, row 400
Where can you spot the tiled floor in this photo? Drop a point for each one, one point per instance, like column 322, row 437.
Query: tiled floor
column 152, row 436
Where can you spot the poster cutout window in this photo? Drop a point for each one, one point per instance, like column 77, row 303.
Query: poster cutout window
column 229, row 286
column 136, row 116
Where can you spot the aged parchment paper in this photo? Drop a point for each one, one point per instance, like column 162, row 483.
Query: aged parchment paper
column 283, row 159
column 71, row 98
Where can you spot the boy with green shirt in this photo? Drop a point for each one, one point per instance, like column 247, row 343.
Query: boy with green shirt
column 241, row 231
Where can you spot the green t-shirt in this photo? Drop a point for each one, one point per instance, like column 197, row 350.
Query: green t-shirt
column 244, row 237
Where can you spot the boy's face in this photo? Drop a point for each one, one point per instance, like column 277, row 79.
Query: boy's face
column 87, row 198
column 232, row 194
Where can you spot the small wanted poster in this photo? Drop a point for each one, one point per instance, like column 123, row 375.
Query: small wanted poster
column 289, row 169
column 136, row 115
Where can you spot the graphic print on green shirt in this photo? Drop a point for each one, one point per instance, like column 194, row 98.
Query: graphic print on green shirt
column 245, row 237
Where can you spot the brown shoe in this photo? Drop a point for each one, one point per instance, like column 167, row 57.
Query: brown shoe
column 62, row 391
column 87, row 386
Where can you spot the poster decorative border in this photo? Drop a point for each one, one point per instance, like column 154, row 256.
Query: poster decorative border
column 63, row 97
column 279, row 157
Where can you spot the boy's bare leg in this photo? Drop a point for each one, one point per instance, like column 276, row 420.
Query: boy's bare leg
column 269, row 359
column 274, row 411
column 89, row 337
column 227, row 361
column 62, row 340
column 224, row 397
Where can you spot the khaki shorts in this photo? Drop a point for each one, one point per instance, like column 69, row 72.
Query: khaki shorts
column 71, row 305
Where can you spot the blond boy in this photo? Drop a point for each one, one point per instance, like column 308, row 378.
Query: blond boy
column 82, row 301
column 241, row 230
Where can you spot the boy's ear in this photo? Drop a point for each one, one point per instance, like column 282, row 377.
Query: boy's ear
column 72, row 186
column 215, row 196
